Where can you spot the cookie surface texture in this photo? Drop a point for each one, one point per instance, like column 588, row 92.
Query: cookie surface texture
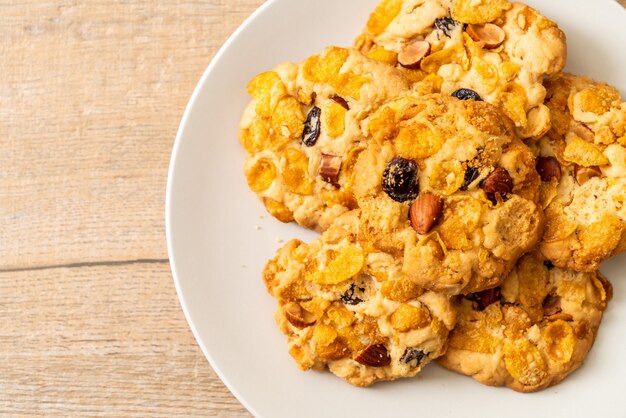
column 353, row 311
column 533, row 331
column 446, row 185
column 304, row 128
column 583, row 164
column 498, row 50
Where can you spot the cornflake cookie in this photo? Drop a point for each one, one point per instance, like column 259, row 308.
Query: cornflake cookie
column 490, row 49
column 446, row 185
column 583, row 167
column 303, row 128
column 533, row 331
column 352, row 310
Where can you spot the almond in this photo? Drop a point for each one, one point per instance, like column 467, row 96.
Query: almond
column 490, row 35
column 413, row 54
column 583, row 174
column 299, row 317
column 426, row 212
column 330, row 168
column 374, row 356
column 548, row 168
column 499, row 181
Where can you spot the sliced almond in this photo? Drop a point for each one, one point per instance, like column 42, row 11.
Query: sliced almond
column 299, row 317
column 490, row 35
column 374, row 356
column 330, row 168
column 583, row 174
column 413, row 54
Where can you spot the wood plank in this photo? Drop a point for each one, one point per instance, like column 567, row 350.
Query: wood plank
column 102, row 341
column 92, row 94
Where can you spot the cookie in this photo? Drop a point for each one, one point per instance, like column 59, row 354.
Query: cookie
column 352, row 310
column 302, row 128
column 533, row 331
column 446, row 185
column 490, row 49
column 582, row 161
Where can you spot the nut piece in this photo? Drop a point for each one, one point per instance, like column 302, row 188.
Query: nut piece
column 552, row 305
column 330, row 168
column 299, row 317
column 499, row 181
column 340, row 101
column 585, row 133
column 412, row 55
column 426, row 212
column 549, row 168
column 374, row 356
column 583, row 174
column 490, row 35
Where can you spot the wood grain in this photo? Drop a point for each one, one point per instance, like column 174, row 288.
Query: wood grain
column 91, row 96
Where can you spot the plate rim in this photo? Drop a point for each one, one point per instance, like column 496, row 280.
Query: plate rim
column 169, row 190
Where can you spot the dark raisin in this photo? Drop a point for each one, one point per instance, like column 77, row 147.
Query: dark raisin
column 485, row 298
column 471, row 174
column 548, row 264
column 312, row 127
column 341, row 102
column 446, row 25
column 413, row 357
column 400, row 180
column 467, row 94
column 350, row 296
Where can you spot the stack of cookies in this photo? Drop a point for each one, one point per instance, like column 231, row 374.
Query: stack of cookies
column 466, row 190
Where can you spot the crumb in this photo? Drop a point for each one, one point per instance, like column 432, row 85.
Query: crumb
column 279, row 241
column 257, row 227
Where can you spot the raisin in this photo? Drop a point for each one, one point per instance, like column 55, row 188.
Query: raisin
column 552, row 305
column 413, row 355
column 471, row 174
column 400, row 180
column 350, row 296
column 485, row 298
column 548, row 264
column 312, row 127
column 467, row 94
column 446, row 25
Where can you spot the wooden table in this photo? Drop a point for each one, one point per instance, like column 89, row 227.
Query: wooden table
column 91, row 94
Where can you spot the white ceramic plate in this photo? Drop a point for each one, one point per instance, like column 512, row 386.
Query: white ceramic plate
column 217, row 251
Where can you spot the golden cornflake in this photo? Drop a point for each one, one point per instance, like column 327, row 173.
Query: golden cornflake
column 409, row 317
column 383, row 55
column 560, row 341
column 524, row 362
column 417, row 142
column 349, row 84
column 447, row 176
column 342, row 267
column 256, row 137
column 278, row 210
column 323, row 68
column 261, row 175
column 383, row 15
column 581, row 152
column 334, row 119
column 454, row 55
column 266, row 89
column 478, row 12
column 296, row 172
column 288, row 119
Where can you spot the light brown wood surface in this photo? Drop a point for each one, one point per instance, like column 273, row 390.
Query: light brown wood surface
column 91, row 94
